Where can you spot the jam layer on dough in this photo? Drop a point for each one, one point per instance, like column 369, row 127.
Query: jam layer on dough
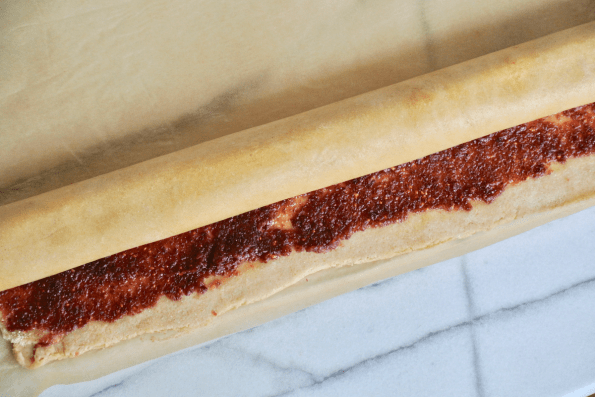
column 131, row 281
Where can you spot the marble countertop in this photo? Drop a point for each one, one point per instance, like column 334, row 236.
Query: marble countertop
column 514, row 319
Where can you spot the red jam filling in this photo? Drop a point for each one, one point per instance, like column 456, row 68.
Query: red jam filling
column 131, row 281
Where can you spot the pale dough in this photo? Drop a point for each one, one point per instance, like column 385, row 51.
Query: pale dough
column 569, row 183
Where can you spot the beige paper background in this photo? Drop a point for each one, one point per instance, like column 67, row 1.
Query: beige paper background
column 88, row 87
column 91, row 87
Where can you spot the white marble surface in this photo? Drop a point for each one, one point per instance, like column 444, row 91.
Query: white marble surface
column 513, row 319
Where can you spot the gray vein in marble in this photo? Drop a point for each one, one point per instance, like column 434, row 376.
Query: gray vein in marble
column 114, row 386
column 341, row 372
column 524, row 305
column 289, row 371
column 473, row 321
column 274, row 365
column 479, row 388
column 125, row 380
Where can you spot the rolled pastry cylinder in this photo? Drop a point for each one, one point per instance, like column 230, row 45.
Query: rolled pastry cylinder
column 65, row 228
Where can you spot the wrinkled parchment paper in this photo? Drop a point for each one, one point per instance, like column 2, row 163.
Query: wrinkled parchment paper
column 87, row 88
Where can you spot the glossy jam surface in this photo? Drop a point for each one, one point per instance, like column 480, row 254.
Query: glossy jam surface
column 129, row 282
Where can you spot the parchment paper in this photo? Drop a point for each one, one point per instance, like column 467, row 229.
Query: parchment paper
column 171, row 194
column 88, row 87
